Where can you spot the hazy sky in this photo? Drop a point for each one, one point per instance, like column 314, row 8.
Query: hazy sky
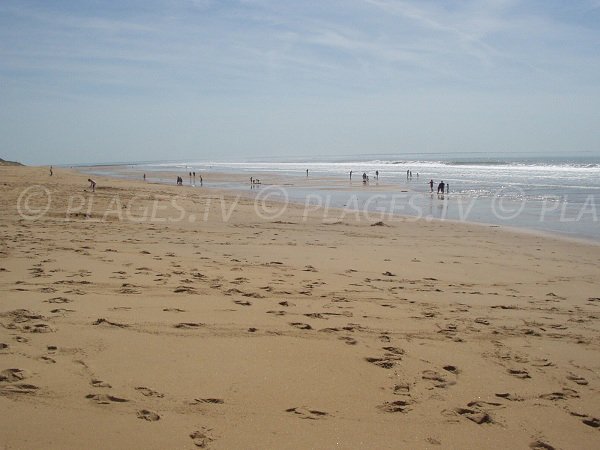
column 96, row 81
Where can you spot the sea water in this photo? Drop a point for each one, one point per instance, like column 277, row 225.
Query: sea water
column 559, row 194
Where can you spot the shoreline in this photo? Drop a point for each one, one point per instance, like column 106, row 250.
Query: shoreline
column 335, row 184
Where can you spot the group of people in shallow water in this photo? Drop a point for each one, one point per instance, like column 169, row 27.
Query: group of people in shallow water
column 180, row 179
column 442, row 188
column 365, row 177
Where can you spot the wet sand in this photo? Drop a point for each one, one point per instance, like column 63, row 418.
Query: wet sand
column 153, row 316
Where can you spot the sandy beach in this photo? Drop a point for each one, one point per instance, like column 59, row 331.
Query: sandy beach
column 152, row 316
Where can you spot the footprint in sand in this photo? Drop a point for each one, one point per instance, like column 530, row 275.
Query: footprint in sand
column 315, row 316
column 18, row 389
column 439, row 381
column 12, row 375
column 21, row 315
column 212, row 401
column 105, row 399
column 38, row 328
column 173, row 310
column 108, row 322
column 100, row 384
column 310, row 414
column 401, row 389
column 301, row 326
column 61, row 311
column 47, row 359
column 519, row 373
column 75, row 292
column 451, row 369
column 202, row 438
column 393, row 351
column 510, row 397
column 147, row 392
column 384, row 363
column 150, row 416
column 577, row 379
column 188, row 325
column 348, row 340
column 395, row 406
column 128, row 289
column 475, row 415
column 242, row 302
column 48, row 290
column 593, row 422
column 185, row 290
column 540, row 445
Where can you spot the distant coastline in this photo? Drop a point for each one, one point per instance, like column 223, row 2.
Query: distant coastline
column 9, row 163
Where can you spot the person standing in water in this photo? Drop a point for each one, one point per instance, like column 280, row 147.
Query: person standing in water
column 431, row 185
column 306, row 172
column 350, row 175
column 377, row 174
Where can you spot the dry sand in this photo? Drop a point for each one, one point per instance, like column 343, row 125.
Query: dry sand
column 117, row 331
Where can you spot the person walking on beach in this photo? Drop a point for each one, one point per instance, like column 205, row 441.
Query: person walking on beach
column 447, row 188
column 350, row 175
column 377, row 174
column 306, row 172
column 200, row 180
column 407, row 174
column 431, row 185
column 194, row 175
column 144, row 177
column 92, row 184
column 441, row 187
column 51, row 172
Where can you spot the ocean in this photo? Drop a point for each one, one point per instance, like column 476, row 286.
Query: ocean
column 556, row 194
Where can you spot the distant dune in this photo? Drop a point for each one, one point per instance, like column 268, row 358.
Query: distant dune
column 9, row 163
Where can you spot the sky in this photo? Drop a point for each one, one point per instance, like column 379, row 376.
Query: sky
column 88, row 81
